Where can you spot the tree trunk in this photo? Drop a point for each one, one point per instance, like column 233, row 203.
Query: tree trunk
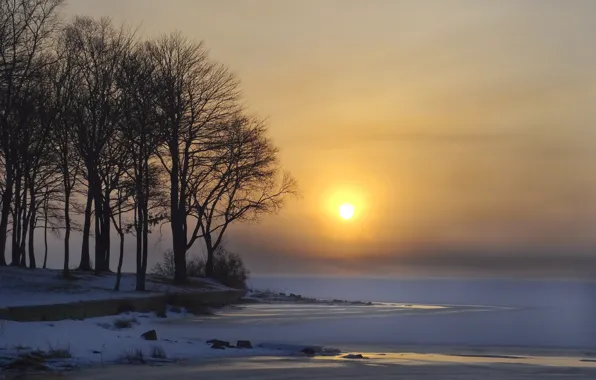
column 139, row 216
column 120, row 259
column 24, row 221
column 99, row 254
column 6, row 202
column 16, row 222
column 65, row 268
column 85, row 264
column 105, row 231
column 95, row 185
column 145, row 221
column 32, row 222
column 45, row 234
column 178, row 234
column 139, row 232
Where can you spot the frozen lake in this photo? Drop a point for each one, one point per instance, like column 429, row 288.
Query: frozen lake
column 525, row 314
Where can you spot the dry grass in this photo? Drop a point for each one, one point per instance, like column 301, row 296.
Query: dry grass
column 134, row 356
column 124, row 323
column 157, row 352
column 58, row 353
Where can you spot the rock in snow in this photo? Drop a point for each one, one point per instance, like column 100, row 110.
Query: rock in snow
column 219, row 342
column 244, row 344
column 354, row 356
column 150, row 335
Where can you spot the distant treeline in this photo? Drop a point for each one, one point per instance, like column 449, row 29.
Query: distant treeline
column 129, row 133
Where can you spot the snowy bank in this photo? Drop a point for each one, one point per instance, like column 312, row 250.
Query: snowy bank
column 44, row 295
column 117, row 339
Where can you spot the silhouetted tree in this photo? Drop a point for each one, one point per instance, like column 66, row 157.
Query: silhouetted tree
column 129, row 134
column 141, row 136
column 26, row 29
column 64, row 79
column 241, row 182
column 98, row 50
column 195, row 95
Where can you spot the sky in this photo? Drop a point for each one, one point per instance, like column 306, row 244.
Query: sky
column 463, row 132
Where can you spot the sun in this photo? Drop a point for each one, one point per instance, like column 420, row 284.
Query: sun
column 346, row 211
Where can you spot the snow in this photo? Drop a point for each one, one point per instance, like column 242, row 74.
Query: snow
column 96, row 340
column 432, row 333
column 22, row 287
column 281, row 330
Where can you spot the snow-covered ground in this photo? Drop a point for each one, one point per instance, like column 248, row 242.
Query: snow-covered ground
column 280, row 330
column 115, row 339
column 21, row 287
column 462, row 329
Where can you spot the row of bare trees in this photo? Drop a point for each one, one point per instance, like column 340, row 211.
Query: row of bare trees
column 127, row 133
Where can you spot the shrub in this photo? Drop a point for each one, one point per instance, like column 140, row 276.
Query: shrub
column 195, row 266
column 124, row 323
column 55, row 352
column 157, row 352
column 228, row 267
column 134, row 356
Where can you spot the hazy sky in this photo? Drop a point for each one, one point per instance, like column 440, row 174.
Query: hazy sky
column 464, row 132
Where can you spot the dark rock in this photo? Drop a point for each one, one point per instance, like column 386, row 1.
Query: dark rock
column 354, row 356
column 308, row 351
column 219, row 342
column 244, row 344
column 218, row 346
column 150, row 335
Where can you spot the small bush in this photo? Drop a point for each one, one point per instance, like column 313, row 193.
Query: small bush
column 124, row 323
column 228, row 267
column 134, row 356
column 157, row 352
column 55, row 352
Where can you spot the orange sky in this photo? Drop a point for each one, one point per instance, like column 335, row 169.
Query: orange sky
column 456, row 127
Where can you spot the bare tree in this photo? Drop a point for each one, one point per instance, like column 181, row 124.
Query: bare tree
column 195, row 95
column 121, row 207
column 142, row 137
column 240, row 183
column 26, row 28
column 99, row 50
column 64, row 79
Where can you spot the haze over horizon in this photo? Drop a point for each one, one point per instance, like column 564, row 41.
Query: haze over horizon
column 462, row 132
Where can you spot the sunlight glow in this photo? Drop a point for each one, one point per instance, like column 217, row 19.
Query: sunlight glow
column 346, row 211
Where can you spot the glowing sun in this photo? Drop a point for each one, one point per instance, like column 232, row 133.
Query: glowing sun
column 346, row 211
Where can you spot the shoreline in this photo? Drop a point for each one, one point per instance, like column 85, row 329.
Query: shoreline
column 386, row 365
